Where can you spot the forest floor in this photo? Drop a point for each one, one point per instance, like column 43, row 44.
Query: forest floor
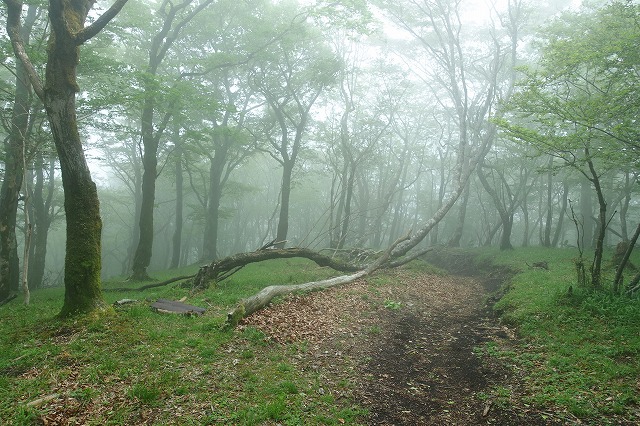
column 415, row 351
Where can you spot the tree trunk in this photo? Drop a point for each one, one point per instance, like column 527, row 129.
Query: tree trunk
column 84, row 226
column 210, row 240
column 283, row 220
column 617, row 281
column 586, row 212
column 264, row 297
column 223, row 268
column 144, row 250
column 563, row 211
column 136, row 192
column 441, row 189
column 347, row 205
column 546, row 240
column 455, row 239
column 152, row 132
column 177, row 233
column 42, row 222
column 525, row 215
column 13, row 171
column 624, row 207
column 505, row 239
column 506, row 215
column 596, row 266
column 82, row 208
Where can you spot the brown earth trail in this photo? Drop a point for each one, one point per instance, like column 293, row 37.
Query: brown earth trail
column 411, row 348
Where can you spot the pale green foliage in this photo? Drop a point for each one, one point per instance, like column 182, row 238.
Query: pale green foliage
column 585, row 92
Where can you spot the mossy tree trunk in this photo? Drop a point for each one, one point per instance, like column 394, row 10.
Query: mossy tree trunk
column 84, row 226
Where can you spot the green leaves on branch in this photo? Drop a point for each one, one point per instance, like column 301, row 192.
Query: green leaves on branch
column 586, row 92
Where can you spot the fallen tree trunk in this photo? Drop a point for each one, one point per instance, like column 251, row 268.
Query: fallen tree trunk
column 223, row 268
column 266, row 295
column 261, row 299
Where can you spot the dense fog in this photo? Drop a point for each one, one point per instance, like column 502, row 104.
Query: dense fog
column 213, row 128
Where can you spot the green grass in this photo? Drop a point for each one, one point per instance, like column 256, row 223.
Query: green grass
column 130, row 365
column 580, row 354
column 580, row 349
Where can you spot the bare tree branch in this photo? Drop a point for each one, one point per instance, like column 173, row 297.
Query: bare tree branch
column 14, row 10
column 97, row 26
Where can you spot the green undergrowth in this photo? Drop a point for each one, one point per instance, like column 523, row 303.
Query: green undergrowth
column 579, row 349
column 130, row 365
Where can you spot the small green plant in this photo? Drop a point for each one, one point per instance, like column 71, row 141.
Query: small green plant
column 247, row 354
column 147, row 394
column 392, row 304
column 289, row 387
column 374, row 329
column 276, row 410
column 83, row 394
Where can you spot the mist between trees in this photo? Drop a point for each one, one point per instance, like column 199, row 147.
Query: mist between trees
column 212, row 128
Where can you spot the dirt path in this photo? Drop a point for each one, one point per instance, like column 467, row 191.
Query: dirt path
column 410, row 349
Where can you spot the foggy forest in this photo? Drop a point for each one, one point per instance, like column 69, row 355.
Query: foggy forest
column 147, row 141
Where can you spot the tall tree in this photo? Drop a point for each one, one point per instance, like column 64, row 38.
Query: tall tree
column 580, row 105
column 446, row 50
column 175, row 18
column 291, row 76
column 58, row 93
column 15, row 147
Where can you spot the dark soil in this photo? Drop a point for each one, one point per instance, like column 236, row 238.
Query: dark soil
column 412, row 350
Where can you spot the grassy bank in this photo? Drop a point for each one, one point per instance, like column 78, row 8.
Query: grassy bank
column 579, row 352
column 134, row 366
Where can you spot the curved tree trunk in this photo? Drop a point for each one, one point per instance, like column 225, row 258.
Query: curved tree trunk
column 264, row 297
column 82, row 208
column 596, row 266
column 617, row 281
